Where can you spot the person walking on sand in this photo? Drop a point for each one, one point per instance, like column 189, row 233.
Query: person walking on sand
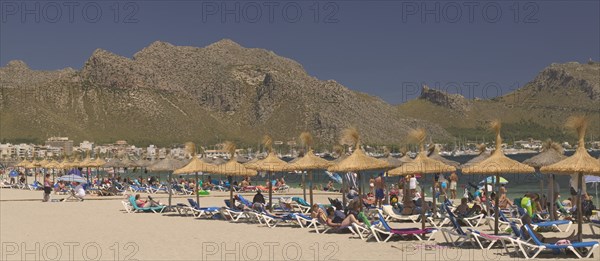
column 379, row 189
column 453, row 185
column 47, row 188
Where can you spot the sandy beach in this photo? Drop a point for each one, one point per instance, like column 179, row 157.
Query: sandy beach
column 99, row 229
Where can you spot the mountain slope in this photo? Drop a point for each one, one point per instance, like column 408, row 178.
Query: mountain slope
column 538, row 109
column 170, row 94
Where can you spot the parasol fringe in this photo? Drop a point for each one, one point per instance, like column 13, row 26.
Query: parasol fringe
column 578, row 123
column 229, row 146
column 350, row 136
column 190, row 148
column 306, row 139
column 418, row 136
column 268, row 143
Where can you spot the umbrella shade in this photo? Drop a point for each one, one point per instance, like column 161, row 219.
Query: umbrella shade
column 142, row 163
column 23, row 163
column 498, row 163
column 166, row 164
column 492, row 180
column 233, row 168
column 358, row 161
column 479, row 158
column 310, row 162
column 271, row 163
column 393, row 162
column 52, row 165
column 421, row 165
column 580, row 162
column 406, row 158
column 74, row 164
column 545, row 158
column 435, row 154
column 218, row 161
column 64, row 164
column 113, row 163
column 32, row 165
column 195, row 165
column 43, row 163
column 72, row 178
column 98, row 163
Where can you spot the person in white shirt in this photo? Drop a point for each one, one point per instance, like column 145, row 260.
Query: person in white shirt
column 79, row 191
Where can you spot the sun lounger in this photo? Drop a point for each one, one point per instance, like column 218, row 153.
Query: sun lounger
column 554, row 224
column 574, row 247
column 456, row 231
column 158, row 209
column 198, row 211
column 594, row 224
column 383, row 228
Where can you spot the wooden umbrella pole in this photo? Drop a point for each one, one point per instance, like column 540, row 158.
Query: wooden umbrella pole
column 487, row 196
column 360, row 198
column 230, row 191
column 197, row 190
column 310, row 182
column 579, row 211
column 304, row 186
column 552, row 211
column 423, row 208
column 433, row 194
column 344, row 190
column 496, row 199
column 270, row 190
column 169, row 186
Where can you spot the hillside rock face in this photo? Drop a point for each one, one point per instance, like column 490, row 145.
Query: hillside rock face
column 167, row 94
column 570, row 76
column 452, row 101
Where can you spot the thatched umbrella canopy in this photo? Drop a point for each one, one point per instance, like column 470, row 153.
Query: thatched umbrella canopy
column 434, row 153
column 358, row 161
column 270, row 164
column 483, row 154
column 126, row 163
column 218, row 161
column 169, row 165
column 143, row 163
column 579, row 163
column 421, row 165
column 23, row 163
column 232, row 168
column 194, row 166
column 309, row 162
column 497, row 164
column 98, row 163
column 33, row 164
column 552, row 152
column 241, row 159
column 43, row 163
column 113, row 163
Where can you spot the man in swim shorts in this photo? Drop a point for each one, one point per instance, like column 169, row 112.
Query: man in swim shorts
column 379, row 189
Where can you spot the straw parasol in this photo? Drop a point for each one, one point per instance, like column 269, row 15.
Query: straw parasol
column 218, row 161
column 23, row 163
column 434, row 153
column 309, row 162
column 169, row 165
column 232, row 168
column 194, row 166
column 579, row 163
column 498, row 163
column 392, row 161
column 358, row 161
column 552, row 152
column 421, row 165
column 270, row 164
column 483, row 154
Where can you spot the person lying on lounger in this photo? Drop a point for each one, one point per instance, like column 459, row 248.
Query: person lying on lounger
column 463, row 210
column 146, row 203
column 332, row 218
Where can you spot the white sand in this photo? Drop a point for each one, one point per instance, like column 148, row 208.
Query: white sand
column 98, row 228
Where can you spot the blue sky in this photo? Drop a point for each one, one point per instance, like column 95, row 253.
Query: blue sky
column 384, row 48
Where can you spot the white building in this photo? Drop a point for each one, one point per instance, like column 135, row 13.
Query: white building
column 86, row 146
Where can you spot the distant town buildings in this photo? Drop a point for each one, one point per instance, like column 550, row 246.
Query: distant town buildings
column 61, row 142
